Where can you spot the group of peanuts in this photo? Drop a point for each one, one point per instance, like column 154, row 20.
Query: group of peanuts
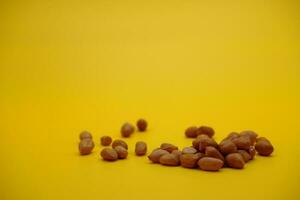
column 233, row 151
column 119, row 147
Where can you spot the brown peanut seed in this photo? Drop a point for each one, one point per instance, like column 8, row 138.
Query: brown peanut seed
column 119, row 143
column 205, row 142
column 127, row 129
column 246, row 156
column 177, row 153
column 211, row 151
column 210, row 164
column 109, row 154
column 86, row 146
column 156, row 154
column 140, row 148
column 189, row 160
column 121, row 151
column 242, row 142
column 235, row 160
column 206, row 130
column 227, row 146
column 189, row 150
column 191, row 132
column 105, row 140
column 142, row 125
column 251, row 134
column 264, row 147
column 85, row 135
column 168, row 147
column 169, row 160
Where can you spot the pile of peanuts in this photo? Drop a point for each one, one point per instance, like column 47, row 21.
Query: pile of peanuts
column 119, row 148
column 233, row 151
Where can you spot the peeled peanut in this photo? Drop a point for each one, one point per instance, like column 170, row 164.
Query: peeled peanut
column 156, row 154
column 140, row 148
column 168, row 147
column 246, row 156
column 189, row 160
column 189, row 150
column 227, row 146
column 119, row 143
column 213, row 152
column 206, row 130
column 242, row 142
column 169, row 160
column 235, row 160
column 264, row 147
column 210, row 164
column 86, row 146
column 109, row 154
column 191, row 132
column 121, row 151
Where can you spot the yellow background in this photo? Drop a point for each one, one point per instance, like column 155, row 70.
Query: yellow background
column 67, row 66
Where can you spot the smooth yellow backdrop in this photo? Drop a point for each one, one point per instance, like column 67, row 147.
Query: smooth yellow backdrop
column 68, row 66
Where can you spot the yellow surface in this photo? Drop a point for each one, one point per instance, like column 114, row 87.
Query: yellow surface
column 67, row 66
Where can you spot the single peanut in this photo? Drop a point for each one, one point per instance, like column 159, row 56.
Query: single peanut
column 242, row 142
column 213, row 152
column 85, row 135
column 156, row 154
column 121, row 151
column 206, row 130
column 119, row 143
column 86, row 146
column 246, row 156
column 210, row 164
column 189, row 150
column 235, row 160
column 264, row 147
column 168, row 147
column 127, row 129
column 251, row 134
column 109, row 154
column 191, row 132
column 105, row 140
column 140, row 148
column 142, row 125
column 169, row 160
column 189, row 160
column 227, row 146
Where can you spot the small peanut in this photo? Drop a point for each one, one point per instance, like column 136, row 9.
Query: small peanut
column 105, row 140
column 210, row 164
column 235, row 160
column 121, row 151
column 169, row 160
column 264, row 147
column 119, row 143
column 109, row 154
column 140, row 148
column 86, row 146
column 156, row 154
